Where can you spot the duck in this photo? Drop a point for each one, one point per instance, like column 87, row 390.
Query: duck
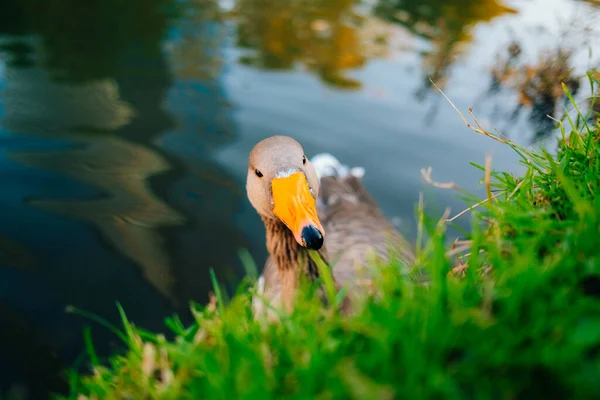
column 318, row 205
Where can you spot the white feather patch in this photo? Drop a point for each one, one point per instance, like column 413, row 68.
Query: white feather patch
column 284, row 173
column 327, row 165
column 357, row 172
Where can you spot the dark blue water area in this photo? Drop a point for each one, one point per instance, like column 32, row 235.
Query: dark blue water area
column 69, row 265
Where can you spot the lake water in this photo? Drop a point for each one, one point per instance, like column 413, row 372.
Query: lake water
column 125, row 127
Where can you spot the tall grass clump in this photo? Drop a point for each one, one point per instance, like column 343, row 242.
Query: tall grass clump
column 511, row 312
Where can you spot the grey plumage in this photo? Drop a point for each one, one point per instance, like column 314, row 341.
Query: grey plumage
column 358, row 237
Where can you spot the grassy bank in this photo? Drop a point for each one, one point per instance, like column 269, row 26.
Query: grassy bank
column 513, row 311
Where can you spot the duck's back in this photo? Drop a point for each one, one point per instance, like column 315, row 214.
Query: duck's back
column 357, row 234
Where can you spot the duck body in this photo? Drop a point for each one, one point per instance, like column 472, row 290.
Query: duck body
column 359, row 237
column 355, row 235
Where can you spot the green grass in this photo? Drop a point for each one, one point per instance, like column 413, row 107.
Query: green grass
column 512, row 312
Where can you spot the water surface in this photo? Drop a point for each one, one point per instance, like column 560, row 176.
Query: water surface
column 125, row 127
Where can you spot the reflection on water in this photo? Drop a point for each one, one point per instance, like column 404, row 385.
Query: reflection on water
column 329, row 36
column 539, row 86
column 446, row 25
column 326, row 36
column 536, row 79
column 91, row 43
column 209, row 195
column 127, row 213
column 125, row 128
column 90, row 106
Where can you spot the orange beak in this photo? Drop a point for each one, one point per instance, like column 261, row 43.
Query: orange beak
column 295, row 207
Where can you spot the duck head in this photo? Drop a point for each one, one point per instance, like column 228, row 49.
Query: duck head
column 282, row 185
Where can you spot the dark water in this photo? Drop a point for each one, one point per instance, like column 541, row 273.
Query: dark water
column 125, row 127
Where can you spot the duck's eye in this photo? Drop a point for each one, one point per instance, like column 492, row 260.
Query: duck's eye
column 303, row 160
column 258, row 173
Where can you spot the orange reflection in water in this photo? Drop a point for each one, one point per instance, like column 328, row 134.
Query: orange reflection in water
column 327, row 36
column 447, row 25
column 333, row 36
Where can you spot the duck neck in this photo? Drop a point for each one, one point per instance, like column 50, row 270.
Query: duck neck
column 291, row 260
column 288, row 255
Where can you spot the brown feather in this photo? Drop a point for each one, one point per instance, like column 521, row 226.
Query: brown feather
column 286, row 261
